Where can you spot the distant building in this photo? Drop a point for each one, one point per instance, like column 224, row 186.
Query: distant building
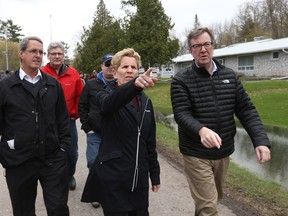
column 261, row 57
column 155, row 72
column 167, row 71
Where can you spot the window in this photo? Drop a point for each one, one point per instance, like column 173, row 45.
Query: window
column 246, row 63
column 275, row 55
column 221, row 61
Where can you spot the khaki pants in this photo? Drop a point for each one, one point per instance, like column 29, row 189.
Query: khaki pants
column 206, row 179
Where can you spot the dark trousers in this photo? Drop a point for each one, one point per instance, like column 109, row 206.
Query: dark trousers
column 138, row 212
column 73, row 149
column 53, row 176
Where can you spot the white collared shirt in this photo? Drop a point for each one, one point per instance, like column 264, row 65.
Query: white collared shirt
column 25, row 76
column 214, row 66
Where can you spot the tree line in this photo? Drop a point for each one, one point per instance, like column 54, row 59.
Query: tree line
column 149, row 31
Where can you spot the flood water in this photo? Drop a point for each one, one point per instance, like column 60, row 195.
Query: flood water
column 275, row 170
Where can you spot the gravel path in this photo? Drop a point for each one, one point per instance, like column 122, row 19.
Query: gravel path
column 173, row 199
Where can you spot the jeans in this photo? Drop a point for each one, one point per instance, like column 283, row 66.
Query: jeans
column 73, row 150
column 93, row 143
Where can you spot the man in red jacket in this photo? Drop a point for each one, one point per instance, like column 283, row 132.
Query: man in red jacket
column 72, row 86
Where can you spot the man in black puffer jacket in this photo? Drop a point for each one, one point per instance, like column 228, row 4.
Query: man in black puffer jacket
column 205, row 98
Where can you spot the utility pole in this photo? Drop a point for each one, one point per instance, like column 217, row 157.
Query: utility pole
column 6, row 52
column 50, row 28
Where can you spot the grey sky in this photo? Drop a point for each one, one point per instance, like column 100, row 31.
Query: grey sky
column 62, row 20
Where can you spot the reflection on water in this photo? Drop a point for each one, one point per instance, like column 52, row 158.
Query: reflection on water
column 275, row 170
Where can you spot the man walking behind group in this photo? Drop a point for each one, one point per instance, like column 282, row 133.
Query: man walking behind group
column 89, row 112
column 205, row 98
column 72, row 86
column 34, row 124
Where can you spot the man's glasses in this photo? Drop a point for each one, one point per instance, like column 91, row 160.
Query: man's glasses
column 207, row 45
column 55, row 54
column 35, row 52
column 107, row 64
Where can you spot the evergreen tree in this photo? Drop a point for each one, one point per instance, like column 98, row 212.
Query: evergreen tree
column 10, row 34
column 148, row 32
column 13, row 31
column 196, row 22
column 104, row 36
column 66, row 47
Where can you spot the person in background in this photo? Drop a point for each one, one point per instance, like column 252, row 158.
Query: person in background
column 82, row 77
column 85, row 77
column 89, row 112
column 6, row 74
column 34, row 130
column 72, row 86
column 119, row 178
column 205, row 98
column 93, row 75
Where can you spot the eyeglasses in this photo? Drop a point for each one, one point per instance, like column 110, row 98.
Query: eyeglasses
column 207, row 45
column 55, row 54
column 35, row 52
column 107, row 64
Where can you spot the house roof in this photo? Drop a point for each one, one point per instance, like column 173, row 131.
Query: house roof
column 257, row 46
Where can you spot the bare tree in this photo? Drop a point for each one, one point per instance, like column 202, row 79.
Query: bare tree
column 277, row 16
column 225, row 34
column 250, row 21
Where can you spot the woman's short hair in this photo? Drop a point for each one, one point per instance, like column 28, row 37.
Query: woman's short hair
column 129, row 52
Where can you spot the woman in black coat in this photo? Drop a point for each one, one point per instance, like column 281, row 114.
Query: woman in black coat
column 127, row 157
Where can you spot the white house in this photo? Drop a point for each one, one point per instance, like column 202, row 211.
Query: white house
column 261, row 57
column 167, row 71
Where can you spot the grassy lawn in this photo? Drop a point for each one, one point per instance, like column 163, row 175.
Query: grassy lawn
column 271, row 101
column 160, row 96
column 269, row 97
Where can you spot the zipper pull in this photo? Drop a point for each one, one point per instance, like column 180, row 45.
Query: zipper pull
column 36, row 113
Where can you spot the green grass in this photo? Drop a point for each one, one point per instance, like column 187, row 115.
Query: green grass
column 268, row 198
column 167, row 136
column 269, row 97
column 271, row 101
column 266, row 190
column 160, row 96
column 248, row 188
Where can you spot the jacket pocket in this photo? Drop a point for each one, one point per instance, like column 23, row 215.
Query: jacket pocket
column 109, row 156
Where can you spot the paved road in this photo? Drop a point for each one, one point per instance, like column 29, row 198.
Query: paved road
column 173, row 199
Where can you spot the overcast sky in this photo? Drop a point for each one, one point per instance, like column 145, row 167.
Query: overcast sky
column 62, row 20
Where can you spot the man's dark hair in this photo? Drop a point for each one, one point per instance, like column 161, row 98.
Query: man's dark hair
column 196, row 33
